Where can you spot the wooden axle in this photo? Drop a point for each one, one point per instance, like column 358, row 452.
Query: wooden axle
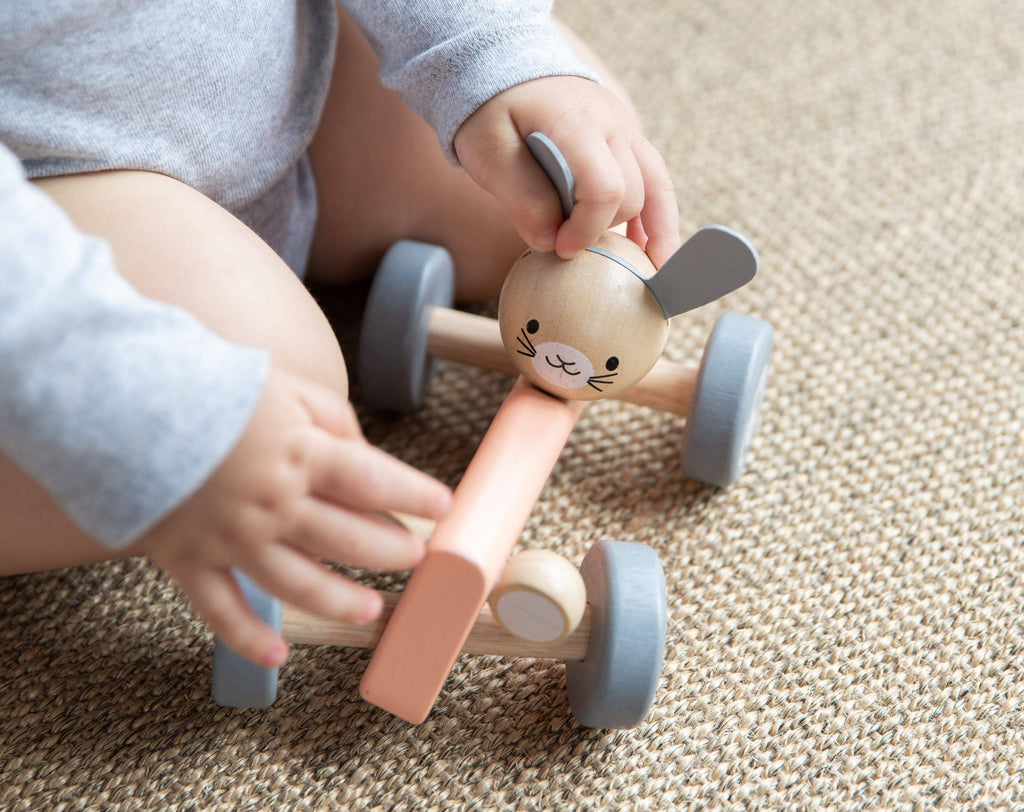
column 476, row 340
column 486, row 637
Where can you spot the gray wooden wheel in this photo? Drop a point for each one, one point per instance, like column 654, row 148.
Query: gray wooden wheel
column 727, row 398
column 614, row 685
column 393, row 366
column 237, row 682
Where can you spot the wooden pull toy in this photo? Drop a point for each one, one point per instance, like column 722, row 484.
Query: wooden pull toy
column 575, row 330
column 591, row 327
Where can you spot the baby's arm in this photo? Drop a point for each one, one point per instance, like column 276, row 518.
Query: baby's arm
column 149, row 430
column 117, row 404
column 485, row 75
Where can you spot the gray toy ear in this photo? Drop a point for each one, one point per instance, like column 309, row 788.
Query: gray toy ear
column 557, row 168
column 713, row 262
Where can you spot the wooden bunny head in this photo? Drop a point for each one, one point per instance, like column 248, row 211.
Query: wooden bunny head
column 591, row 326
column 583, row 328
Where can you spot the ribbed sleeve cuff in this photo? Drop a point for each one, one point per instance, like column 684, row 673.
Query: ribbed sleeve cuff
column 446, row 84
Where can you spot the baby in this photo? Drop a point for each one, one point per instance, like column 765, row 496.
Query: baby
column 168, row 174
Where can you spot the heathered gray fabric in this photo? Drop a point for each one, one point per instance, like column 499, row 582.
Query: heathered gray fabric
column 223, row 96
column 447, row 57
column 120, row 406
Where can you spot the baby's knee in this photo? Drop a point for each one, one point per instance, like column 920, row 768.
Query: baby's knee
column 320, row 358
column 176, row 245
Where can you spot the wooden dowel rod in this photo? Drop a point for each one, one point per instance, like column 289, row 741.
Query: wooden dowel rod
column 467, row 338
column 668, row 387
column 486, row 637
column 476, row 340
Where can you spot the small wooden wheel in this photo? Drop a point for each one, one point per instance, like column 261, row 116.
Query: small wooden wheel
column 394, row 367
column 540, row 597
column 614, row 685
column 726, row 399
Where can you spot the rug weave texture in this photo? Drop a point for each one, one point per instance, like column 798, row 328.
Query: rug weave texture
column 845, row 621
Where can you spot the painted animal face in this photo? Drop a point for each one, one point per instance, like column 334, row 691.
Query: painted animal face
column 585, row 328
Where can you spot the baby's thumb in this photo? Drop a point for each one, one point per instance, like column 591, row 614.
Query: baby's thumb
column 327, row 409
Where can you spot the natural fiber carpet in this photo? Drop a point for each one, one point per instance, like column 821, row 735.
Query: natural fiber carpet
column 845, row 621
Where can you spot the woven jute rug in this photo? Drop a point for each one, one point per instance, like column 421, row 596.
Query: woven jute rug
column 845, row 622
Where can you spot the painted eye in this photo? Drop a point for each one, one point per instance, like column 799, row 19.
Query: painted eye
column 611, row 363
column 532, row 326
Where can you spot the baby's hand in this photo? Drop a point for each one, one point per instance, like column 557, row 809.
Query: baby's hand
column 296, row 487
column 619, row 176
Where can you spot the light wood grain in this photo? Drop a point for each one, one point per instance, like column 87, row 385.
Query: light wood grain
column 476, row 340
column 540, row 596
column 486, row 637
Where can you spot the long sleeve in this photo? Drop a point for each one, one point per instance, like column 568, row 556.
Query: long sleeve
column 118, row 405
column 447, row 57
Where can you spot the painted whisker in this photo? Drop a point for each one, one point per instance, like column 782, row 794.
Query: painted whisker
column 604, row 379
column 528, row 348
column 524, row 341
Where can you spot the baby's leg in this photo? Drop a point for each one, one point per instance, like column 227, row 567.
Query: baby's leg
column 173, row 244
column 381, row 177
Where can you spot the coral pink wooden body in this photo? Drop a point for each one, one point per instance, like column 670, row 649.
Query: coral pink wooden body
column 467, row 552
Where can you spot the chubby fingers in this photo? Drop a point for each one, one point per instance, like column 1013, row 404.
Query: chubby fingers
column 361, row 477
column 609, row 187
column 325, row 407
column 218, row 599
column 289, row 568
column 347, row 480
column 497, row 159
column 622, row 182
column 618, row 175
column 352, row 538
column 659, row 217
